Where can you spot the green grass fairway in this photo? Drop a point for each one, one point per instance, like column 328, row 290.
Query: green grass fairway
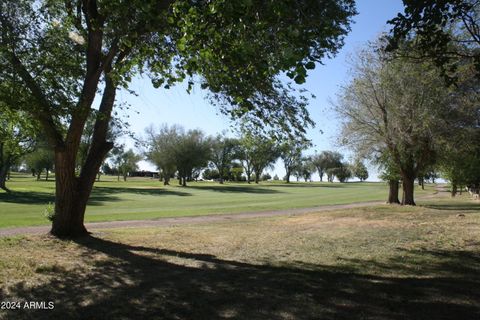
column 382, row 262
column 143, row 198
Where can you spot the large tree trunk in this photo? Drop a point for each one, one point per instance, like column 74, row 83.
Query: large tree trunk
column 454, row 190
column 257, row 177
column 166, row 181
column 72, row 192
column 320, row 173
column 46, row 174
column 3, row 177
column 287, row 177
column 393, row 192
column 408, row 183
column 70, row 198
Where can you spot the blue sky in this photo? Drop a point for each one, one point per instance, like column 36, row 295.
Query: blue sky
column 176, row 106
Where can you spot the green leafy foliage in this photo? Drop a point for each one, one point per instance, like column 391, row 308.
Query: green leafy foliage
column 445, row 32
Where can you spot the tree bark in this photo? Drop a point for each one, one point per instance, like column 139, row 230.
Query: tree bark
column 166, row 181
column 421, row 182
column 46, row 174
column 3, row 177
column 454, row 190
column 393, row 192
column 408, row 183
column 72, row 192
column 70, row 199
column 287, row 177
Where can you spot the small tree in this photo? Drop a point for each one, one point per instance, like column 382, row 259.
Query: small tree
column 303, row 169
column 128, row 162
column 326, row 162
column 359, row 170
column 191, row 154
column 342, row 172
column 236, row 171
column 41, row 159
column 263, row 155
column 291, row 154
column 17, row 138
column 223, row 152
column 161, row 149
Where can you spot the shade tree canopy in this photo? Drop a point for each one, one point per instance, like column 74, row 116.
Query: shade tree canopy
column 397, row 107
column 444, row 32
column 67, row 52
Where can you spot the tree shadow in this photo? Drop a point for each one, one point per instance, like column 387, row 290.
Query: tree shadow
column 27, row 197
column 34, row 197
column 473, row 206
column 143, row 282
column 236, row 189
column 311, row 185
column 99, row 195
column 149, row 191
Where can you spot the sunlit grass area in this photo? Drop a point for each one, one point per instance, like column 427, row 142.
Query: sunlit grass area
column 145, row 198
column 382, row 262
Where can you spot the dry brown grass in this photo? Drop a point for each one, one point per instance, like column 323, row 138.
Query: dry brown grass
column 381, row 262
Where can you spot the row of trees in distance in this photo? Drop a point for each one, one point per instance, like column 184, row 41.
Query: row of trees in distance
column 187, row 154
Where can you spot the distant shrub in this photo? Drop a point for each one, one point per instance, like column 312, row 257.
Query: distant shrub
column 49, row 211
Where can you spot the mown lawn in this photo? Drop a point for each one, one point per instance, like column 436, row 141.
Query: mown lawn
column 384, row 262
column 144, row 198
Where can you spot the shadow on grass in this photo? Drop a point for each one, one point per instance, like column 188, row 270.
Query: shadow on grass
column 236, row 189
column 33, row 197
column 97, row 198
column 27, row 197
column 135, row 282
column 312, row 185
column 149, row 191
column 473, row 206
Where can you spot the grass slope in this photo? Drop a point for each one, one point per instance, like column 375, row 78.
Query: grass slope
column 385, row 262
column 143, row 198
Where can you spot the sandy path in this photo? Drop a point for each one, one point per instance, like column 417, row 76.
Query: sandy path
column 165, row 222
